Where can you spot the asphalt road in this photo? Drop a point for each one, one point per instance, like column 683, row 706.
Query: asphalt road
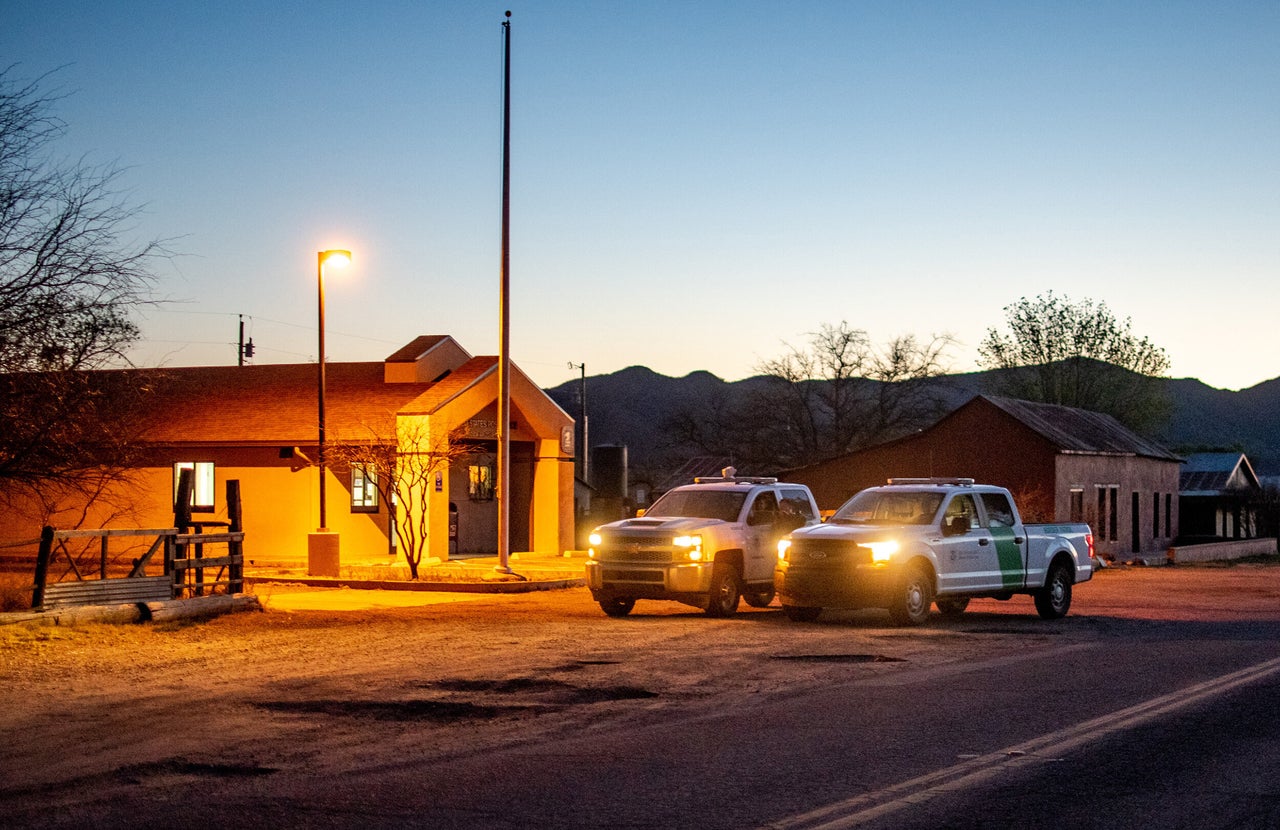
column 1150, row 706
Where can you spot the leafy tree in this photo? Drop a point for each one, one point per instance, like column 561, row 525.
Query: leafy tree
column 69, row 279
column 1077, row 353
column 837, row 393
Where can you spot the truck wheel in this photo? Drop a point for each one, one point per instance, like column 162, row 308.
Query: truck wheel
column 951, row 607
column 1053, row 601
column 759, row 599
column 912, row 598
column 618, row 606
column 801, row 613
column 722, row 600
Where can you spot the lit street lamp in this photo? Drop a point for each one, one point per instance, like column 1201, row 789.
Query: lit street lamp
column 322, row 546
column 340, row 259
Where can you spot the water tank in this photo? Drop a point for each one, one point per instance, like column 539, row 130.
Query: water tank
column 609, row 470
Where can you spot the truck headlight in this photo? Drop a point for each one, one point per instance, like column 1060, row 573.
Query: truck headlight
column 784, row 545
column 595, row 540
column 882, row 551
column 692, row 546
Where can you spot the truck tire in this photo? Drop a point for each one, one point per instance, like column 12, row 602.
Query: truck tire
column 801, row 613
column 759, row 599
column 722, row 599
column 912, row 597
column 618, row 606
column 1053, row 601
column 951, row 607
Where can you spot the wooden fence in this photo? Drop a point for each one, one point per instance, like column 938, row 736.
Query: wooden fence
column 183, row 562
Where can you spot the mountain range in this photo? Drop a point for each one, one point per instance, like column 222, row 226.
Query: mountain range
column 632, row 406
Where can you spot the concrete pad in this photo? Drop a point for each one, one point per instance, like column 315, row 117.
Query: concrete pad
column 346, row 599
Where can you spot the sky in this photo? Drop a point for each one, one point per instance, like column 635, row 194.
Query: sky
column 694, row 185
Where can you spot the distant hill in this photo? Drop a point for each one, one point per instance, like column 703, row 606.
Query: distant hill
column 631, row 407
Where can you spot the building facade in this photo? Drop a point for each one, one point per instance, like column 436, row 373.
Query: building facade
column 1062, row 464
column 259, row 425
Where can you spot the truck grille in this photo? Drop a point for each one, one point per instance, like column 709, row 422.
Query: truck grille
column 642, row 549
column 827, row 551
column 621, row 575
column 652, row 557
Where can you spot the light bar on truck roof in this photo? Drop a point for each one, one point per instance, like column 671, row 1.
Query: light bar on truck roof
column 954, row 482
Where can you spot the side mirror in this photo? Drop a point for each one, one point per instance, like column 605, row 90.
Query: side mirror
column 956, row 526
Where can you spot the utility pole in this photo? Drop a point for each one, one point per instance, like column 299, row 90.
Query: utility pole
column 583, row 445
column 504, row 321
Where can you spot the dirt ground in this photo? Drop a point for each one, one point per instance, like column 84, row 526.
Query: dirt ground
column 325, row 680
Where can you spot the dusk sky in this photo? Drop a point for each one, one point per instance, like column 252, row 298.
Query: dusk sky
column 693, row 183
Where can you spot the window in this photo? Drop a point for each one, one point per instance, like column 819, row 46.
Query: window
column 201, row 484
column 480, row 482
column 364, row 489
column 962, row 506
column 1077, row 504
column 1101, row 528
column 999, row 511
column 796, row 502
column 1113, row 523
column 764, row 510
column 1168, row 514
column 1155, row 515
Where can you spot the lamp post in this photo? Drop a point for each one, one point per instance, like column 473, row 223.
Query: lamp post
column 339, row 259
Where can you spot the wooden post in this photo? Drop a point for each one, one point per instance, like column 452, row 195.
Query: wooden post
column 182, row 521
column 42, row 566
column 235, row 518
column 102, row 570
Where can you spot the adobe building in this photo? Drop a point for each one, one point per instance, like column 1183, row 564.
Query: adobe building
column 1062, row 464
column 258, row 425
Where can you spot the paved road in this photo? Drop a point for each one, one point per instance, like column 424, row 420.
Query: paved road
column 1149, row 706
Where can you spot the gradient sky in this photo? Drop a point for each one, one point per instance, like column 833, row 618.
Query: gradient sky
column 693, row 183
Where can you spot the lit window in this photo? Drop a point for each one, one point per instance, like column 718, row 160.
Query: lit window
column 201, row 483
column 480, row 482
column 364, row 489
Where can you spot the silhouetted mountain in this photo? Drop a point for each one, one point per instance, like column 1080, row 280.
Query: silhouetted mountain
column 633, row 406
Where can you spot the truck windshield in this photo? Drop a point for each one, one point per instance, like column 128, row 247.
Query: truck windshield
column 702, row 504
column 878, row 507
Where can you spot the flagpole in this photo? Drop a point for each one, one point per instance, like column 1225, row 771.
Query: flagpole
column 504, row 321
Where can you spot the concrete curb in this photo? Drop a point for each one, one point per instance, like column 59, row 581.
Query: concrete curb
column 494, row 587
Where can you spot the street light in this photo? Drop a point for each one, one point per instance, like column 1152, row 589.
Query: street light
column 339, row 259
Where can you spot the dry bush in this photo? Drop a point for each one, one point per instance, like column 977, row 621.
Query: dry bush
column 15, row 592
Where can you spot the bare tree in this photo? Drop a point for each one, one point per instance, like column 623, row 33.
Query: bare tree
column 1076, row 353
column 402, row 468
column 69, row 279
column 837, row 393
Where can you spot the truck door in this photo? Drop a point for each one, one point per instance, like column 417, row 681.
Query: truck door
column 965, row 553
column 760, row 538
column 1010, row 540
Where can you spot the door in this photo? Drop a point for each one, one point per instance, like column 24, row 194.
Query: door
column 760, row 537
column 965, row 553
column 1009, row 540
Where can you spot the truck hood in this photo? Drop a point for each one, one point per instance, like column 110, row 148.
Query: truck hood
column 659, row 524
column 854, row 533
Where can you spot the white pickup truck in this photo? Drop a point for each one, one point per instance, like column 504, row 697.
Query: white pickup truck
column 919, row 541
column 705, row 544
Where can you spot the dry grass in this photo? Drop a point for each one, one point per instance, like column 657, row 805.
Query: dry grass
column 15, row 592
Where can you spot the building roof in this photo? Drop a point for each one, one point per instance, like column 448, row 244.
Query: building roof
column 1081, row 431
column 278, row 404
column 275, row 404
column 419, row 346
column 1216, row 473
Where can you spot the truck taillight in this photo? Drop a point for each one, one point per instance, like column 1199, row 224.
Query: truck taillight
column 1088, row 540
